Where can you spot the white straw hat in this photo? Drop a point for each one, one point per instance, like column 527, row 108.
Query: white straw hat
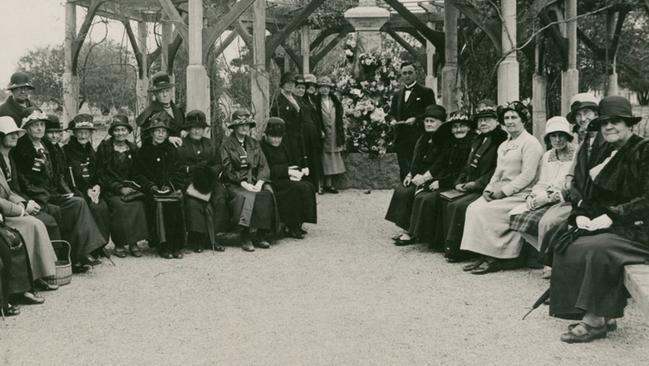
column 557, row 124
column 8, row 125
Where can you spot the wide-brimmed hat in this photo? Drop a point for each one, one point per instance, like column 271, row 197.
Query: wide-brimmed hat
column 158, row 120
column 435, row 111
column 310, row 79
column 20, row 80
column 299, row 80
column 614, row 107
column 241, row 117
column 8, row 125
column 486, row 108
column 557, row 124
column 160, row 81
column 53, row 123
column 119, row 120
column 325, row 81
column 82, row 121
column 195, row 118
column 582, row 101
column 275, row 127
column 286, row 78
column 31, row 115
column 516, row 106
column 460, row 117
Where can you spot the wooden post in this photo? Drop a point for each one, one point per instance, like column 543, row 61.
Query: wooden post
column 431, row 78
column 613, row 87
column 259, row 83
column 142, row 83
column 508, row 79
column 198, row 86
column 450, row 70
column 570, row 77
column 167, row 36
column 70, row 79
column 306, row 51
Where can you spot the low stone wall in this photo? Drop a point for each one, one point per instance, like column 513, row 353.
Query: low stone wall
column 364, row 172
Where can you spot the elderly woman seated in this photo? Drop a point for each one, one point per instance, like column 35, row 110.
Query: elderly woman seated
column 486, row 230
column 246, row 176
column 423, row 170
column 608, row 230
column 295, row 197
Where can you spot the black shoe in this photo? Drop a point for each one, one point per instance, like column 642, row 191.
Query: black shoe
column 219, row 248
column 165, row 254
column 331, row 189
column 80, row 268
column 178, row 254
column 90, row 260
column 294, row 233
column 401, row 242
column 135, row 250
column 198, row 249
column 43, row 285
column 120, row 252
column 304, row 232
column 31, row 298
column 10, row 310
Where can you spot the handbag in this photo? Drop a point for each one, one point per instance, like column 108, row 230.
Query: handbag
column 10, row 236
column 452, row 195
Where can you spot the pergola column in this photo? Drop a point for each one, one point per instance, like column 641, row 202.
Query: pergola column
column 259, row 83
column 508, row 78
column 450, row 70
column 431, row 78
column 539, row 93
column 70, row 79
column 613, row 87
column 570, row 77
column 142, row 83
column 198, row 86
column 305, row 49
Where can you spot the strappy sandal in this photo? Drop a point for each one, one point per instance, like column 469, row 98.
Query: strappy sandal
column 591, row 333
column 471, row 266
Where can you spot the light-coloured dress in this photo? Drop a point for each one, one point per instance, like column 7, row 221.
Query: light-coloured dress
column 486, row 229
column 332, row 159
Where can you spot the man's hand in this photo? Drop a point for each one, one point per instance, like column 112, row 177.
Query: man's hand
column 176, row 141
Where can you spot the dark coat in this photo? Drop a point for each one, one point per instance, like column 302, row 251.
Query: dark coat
column 41, row 178
column 113, row 172
column 193, row 154
column 582, row 184
column 621, row 190
column 420, row 98
column 241, row 164
column 83, row 163
column 292, row 116
column 177, row 123
column 454, row 152
column 340, row 126
column 14, row 110
column 155, row 165
column 428, row 155
column 481, row 163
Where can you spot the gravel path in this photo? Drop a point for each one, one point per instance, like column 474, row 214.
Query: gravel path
column 343, row 296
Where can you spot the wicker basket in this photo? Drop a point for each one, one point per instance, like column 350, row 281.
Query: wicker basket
column 64, row 265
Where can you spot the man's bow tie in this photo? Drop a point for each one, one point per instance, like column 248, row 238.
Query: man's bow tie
column 408, row 88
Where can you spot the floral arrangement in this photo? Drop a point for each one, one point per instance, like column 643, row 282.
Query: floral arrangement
column 365, row 83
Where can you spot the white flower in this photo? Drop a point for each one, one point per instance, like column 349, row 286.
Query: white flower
column 349, row 52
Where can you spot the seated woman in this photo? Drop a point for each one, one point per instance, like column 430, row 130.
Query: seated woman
column 246, row 176
column 295, row 197
column 41, row 179
column 155, row 164
column 199, row 166
column 486, row 230
column 611, row 226
column 15, row 277
column 116, row 176
column 555, row 165
column 423, row 171
column 426, row 217
column 83, row 173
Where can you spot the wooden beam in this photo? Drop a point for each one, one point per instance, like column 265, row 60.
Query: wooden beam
column 327, row 48
column 174, row 16
column 224, row 23
column 243, row 33
column 224, row 44
column 297, row 20
column 615, row 41
column 294, row 56
column 490, row 27
column 402, row 42
column 173, row 50
column 556, row 36
column 435, row 37
column 136, row 48
column 77, row 43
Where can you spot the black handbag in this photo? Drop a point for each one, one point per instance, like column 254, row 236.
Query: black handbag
column 10, row 236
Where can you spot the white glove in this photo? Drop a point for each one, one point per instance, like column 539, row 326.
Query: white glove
column 601, row 222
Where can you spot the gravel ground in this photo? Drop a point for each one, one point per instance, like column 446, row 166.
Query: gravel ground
column 344, row 296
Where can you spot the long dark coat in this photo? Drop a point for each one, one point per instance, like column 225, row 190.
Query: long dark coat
column 178, row 119
column 589, row 275
column 113, row 173
column 292, row 116
column 14, row 110
column 312, row 133
column 582, row 184
column 295, row 199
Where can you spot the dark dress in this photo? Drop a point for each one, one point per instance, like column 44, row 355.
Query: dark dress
column 15, row 272
column 246, row 162
column 115, row 170
column 41, row 179
column 205, row 218
column 292, row 116
column 589, row 275
column 296, row 201
column 427, row 157
column 478, row 169
column 154, row 167
column 427, row 208
column 83, row 171
column 312, row 133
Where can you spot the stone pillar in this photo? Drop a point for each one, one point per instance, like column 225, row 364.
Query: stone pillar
column 259, row 83
column 508, row 84
column 431, row 78
column 142, row 83
column 167, row 33
column 570, row 77
column 198, row 86
column 305, row 41
column 450, row 70
column 70, row 78
column 539, row 94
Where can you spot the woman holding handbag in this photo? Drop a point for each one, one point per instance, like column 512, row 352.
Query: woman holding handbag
column 115, row 160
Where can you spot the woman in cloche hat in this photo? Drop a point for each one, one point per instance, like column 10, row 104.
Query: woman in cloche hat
column 330, row 112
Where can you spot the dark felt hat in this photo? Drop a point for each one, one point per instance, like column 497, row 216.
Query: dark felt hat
column 486, row 108
column 435, row 111
column 614, row 107
column 241, row 117
column 53, row 123
column 158, row 120
column 117, row 121
column 20, row 80
column 82, row 121
column 275, row 127
column 160, row 81
column 287, row 78
column 195, row 118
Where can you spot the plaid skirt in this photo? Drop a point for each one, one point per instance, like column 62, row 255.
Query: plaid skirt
column 528, row 222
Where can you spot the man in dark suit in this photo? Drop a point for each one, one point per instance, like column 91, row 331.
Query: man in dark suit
column 162, row 88
column 408, row 103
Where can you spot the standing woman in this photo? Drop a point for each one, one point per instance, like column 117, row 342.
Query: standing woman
column 486, row 230
column 330, row 111
column 83, row 171
column 312, row 132
column 41, row 179
column 199, row 166
column 115, row 172
column 611, row 226
column 295, row 196
column 246, row 176
column 155, row 165
column 287, row 107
